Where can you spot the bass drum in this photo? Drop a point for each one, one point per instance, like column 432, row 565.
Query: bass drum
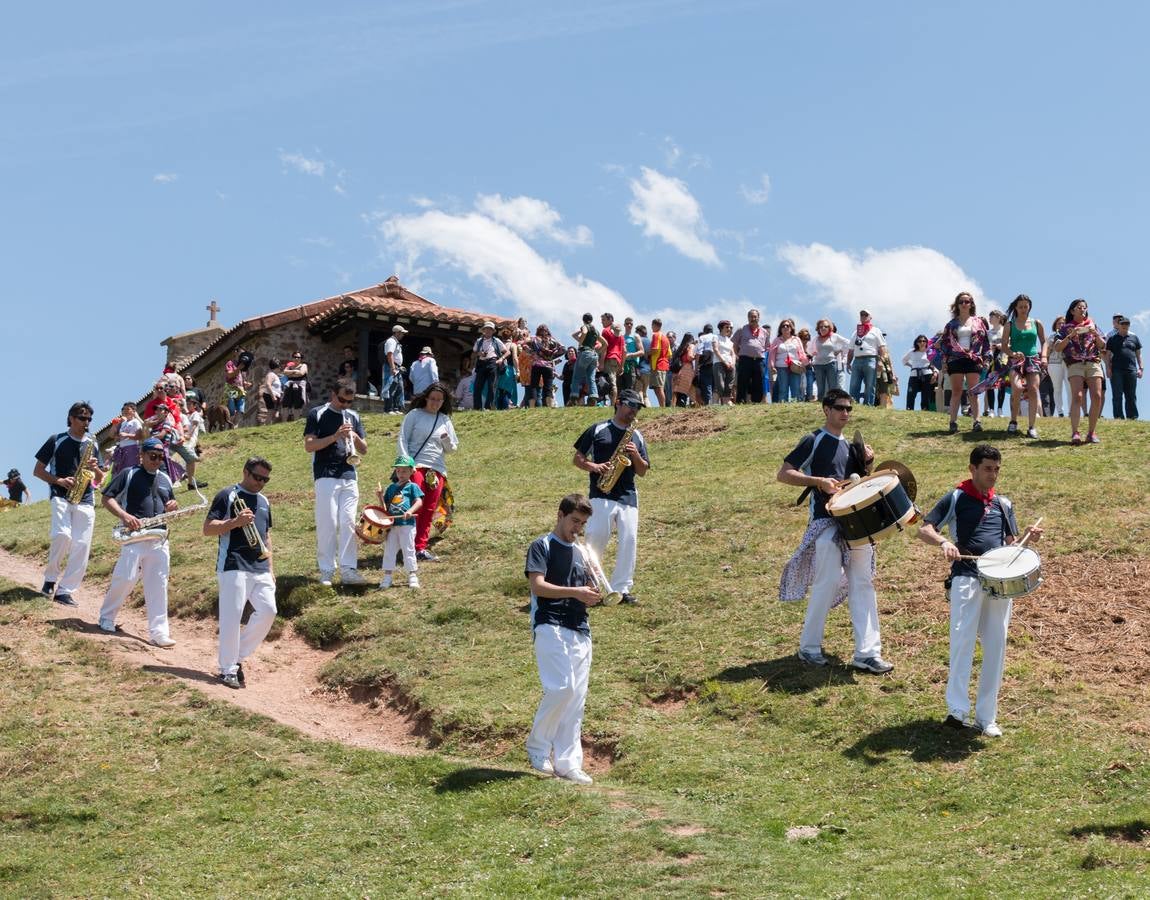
column 872, row 509
column 374, row 524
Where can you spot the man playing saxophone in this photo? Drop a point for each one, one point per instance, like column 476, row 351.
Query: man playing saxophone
column 142, row 492
column 70, row 462
column 614, row 452
column 241, row 517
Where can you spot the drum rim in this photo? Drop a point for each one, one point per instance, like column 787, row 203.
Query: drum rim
column 1022, row 554
column 869, row 501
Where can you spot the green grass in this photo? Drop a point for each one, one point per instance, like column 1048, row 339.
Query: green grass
column 694, row 693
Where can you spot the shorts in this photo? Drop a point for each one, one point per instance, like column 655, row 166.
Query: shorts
column 1085, row 370
column 184, row 453
column 1030, row 365
column 962, row 365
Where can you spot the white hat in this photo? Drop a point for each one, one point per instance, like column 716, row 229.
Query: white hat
column 490, row 325
column 398, row 329
column 426, row 351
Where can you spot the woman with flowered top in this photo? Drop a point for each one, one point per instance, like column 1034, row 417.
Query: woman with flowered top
column 543, row 350
column 965, row 344
column 1081, row 343
column 1024, row 342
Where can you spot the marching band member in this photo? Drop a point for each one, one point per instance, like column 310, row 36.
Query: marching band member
column 979, row 520
column 617, row 508
column 140, row 493
column 824, row 562
column 334, row 434
column 241, row 517
column 58, row 463
column 561, row 591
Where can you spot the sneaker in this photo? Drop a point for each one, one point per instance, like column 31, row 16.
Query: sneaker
column 325, row 578
column 630, row 599
column 413, row 580
column 876, row 665
column 196, row 485
column 1092, row 438
column 65, row 600
column 426, row 556
column 814, row 658
column 577, row 776
column 953, row 428
column 240, row 674
column 989, row 414
column 163, row 643
column 48, row 588
column 955, row 722
column 1032, row 433
column 990, row 729
column 108, row 626
column 1012, row 428
column 351, row 576
column 230, row 679
column 1075, row 439
column 541, row 767
column 977, row 426
column 385, row 582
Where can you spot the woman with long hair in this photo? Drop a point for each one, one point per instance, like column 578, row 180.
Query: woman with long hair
column 965, row 344
column 1081, row 342
column 681, row 379
column 1056, row 367
column 427, row 436
column 1024, row 342
column 785, row 355
column 808, row 390
column 922, row 375
column 994, row 397
column 543, row 351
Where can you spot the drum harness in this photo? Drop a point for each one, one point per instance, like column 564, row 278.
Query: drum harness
column 950, row 520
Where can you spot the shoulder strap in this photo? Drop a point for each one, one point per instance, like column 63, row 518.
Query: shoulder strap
column 819, row 434
column 950, row 519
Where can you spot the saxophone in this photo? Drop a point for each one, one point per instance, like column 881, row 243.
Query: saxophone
column 83, row 476
column 251, row 533
column 617, row 463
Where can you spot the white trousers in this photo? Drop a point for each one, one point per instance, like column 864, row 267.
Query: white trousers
column 564, row 660
column 400, row 537
column 336, row 506
column 861, row 599
column 148, row 560
column 236, row 590
column 1058, row 383
column 976, row 614
column 624, row 520
column 71, row 536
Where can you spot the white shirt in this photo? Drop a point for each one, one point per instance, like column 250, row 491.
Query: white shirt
column 424, row 373
column 870, row 344
column 823, row 352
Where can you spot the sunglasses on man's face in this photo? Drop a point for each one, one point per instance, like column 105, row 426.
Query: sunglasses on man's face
column 840, row 408
column 631, row 403
column 154, row 456
column 346, row 401
column 82, row 418
column 262, row 479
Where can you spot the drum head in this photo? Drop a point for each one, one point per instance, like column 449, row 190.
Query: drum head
column 864, row 493
column 377, row 516
column 1001, row 563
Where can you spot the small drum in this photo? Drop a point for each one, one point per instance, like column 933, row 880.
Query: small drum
column 374, row 523
column 1009, row 571
column 872, row 509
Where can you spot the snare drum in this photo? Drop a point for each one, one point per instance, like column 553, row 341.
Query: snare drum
column 374, row 523
column 872, row 509
column 1009, row 571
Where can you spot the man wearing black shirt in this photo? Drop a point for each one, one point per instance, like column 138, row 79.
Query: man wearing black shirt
column 142, row 492
column 241, row 517
column 561, row 591
column 1124, row 367
column 980, row 520
column 17, row 489
column 57, row 463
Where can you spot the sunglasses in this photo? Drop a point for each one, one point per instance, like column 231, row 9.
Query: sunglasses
column 838, row 407
column 154, row 456
column 82, row 418
column 346, row 401
column 965, row 302
column 262, row 479
column 631, row 403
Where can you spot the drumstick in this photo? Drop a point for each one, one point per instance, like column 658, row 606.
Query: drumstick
column 1022, row 543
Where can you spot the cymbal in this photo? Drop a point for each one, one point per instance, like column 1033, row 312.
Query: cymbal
column 905, row 476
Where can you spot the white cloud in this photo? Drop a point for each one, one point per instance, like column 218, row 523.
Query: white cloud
column 532, row 218
column 1141, row 320
column 165, row 177
column 757, row 196
column 493, row 254
column 904, row 289
column 321, row 241
column 423, row 202
column 664, row 208
column 303, row 164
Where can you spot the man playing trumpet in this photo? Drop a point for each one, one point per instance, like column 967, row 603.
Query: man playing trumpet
column 241, row 517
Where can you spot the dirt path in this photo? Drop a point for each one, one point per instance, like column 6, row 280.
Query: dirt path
column 282, row 676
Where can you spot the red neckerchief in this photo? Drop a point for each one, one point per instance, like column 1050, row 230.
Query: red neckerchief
column 862, row 329
column 968, row 488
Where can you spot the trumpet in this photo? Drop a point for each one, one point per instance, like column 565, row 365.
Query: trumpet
column 353, row 458
column 251, row 533
column 602, row 585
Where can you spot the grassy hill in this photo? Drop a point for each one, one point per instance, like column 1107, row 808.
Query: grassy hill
column 712, row 740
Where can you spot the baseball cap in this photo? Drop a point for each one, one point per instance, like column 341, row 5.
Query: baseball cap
column 629, row 396
column 403, row 461
column 152, row 444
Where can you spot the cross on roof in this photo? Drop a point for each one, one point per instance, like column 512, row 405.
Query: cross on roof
column 212, row 308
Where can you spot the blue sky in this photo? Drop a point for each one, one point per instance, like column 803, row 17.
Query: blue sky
column 687, row 159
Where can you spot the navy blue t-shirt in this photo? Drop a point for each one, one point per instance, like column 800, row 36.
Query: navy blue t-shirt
column 146, row 494
column 975, row 527
column 825, row 456
column 1124, row 352
column 331, row 461
column 597, row 443
column 61, row 454
column 235, row 554
column 561, row 564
